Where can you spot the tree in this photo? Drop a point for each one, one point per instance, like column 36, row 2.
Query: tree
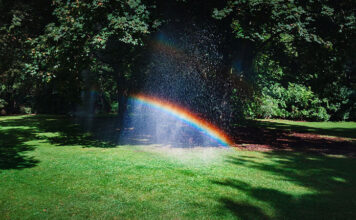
column 19, row 22
column 76, row 43
column 311, row 40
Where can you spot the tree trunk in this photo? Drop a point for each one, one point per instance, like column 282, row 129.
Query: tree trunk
column 122, row 101
column 10, row 108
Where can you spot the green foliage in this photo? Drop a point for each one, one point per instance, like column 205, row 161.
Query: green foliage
column 81, row 30
column 288, row 23
column 50, row 62
column 25, row 110
column 294, row 102
column 342, row 103
column 309, row 43
column 114, row 106
column 335, row 101
column 72, row 55
column 19, row 21
column 2, row 103
column 53, row 51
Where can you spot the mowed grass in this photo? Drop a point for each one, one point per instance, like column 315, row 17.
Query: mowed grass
column 50, row 169
column 334, row 129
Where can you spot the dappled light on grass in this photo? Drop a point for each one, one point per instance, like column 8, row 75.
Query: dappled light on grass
column 329, row 180
column 82, row 177
column 13, row 146
column 280, row 135
column 335, row 129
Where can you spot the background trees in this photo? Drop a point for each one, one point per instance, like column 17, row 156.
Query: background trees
column 72, row 55
column 20, row 21
column 285, row 59
column 305, row 42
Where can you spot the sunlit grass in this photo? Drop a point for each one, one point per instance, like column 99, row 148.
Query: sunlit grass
column 81, row 179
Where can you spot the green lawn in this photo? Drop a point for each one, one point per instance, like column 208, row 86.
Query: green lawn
column 335, row 129
column 50, row 169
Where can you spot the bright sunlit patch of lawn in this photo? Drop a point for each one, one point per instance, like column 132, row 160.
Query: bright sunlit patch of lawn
column 45, row 176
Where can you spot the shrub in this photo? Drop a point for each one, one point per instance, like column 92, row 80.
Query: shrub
column 114, row 107
column 294, row 102
column 2, row 103
column 341, row 103
column 25, row 110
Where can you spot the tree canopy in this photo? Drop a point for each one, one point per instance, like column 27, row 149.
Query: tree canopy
column 243, row 58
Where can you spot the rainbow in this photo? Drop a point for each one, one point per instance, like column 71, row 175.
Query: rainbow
column 186, row 116
column 164, row 45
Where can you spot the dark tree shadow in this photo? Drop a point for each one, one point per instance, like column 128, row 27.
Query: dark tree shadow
column 331, row 131
column 106, row 132
column 243, row 210
column 62, row 131
column 267, row 136
column 332, row 179
column 108, row 129
column 13, row 149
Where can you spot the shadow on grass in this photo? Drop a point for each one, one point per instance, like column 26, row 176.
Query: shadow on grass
column 13, row 148
column 100, row 132
column 15, row 133
column 331, row 181
column 107, row 129
column 243, row 210
column 266, row 136
column 330, row 129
